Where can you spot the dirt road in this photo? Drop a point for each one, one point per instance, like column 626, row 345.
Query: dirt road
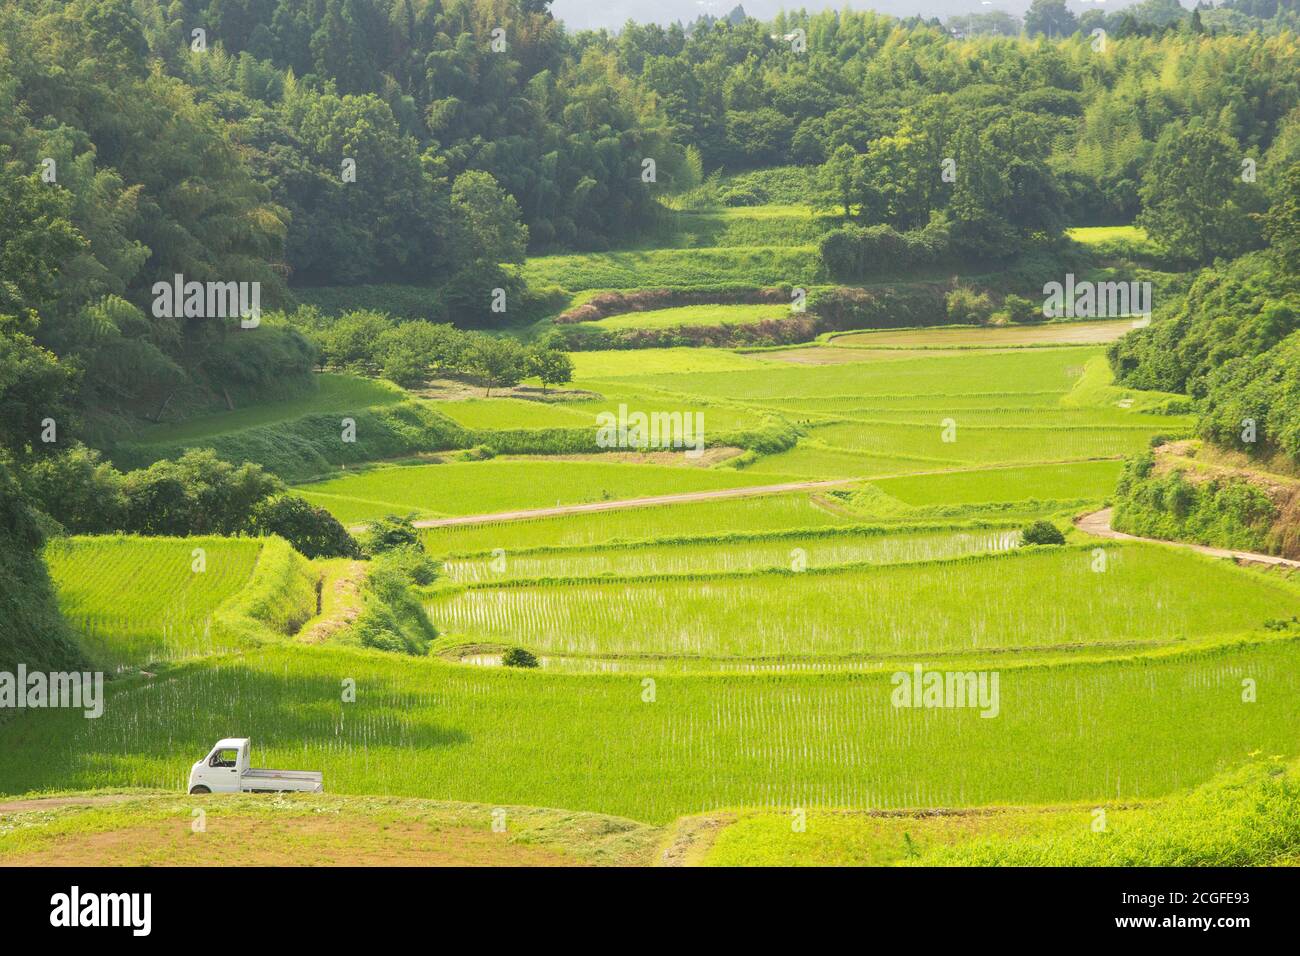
column 1098, row 523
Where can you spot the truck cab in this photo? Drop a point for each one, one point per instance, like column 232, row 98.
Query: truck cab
column 227, row 769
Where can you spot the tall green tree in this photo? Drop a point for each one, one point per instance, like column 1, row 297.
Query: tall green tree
column 1050, row 18
column 1282, row 223
column 1194, row 202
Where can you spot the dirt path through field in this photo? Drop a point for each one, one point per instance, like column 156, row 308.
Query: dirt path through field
column 46, row 803
column 676, row 499
column 1098, row 523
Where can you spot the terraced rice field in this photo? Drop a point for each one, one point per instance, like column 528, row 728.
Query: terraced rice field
column 604, row 742
column 791, row 551
column 765, row 513
column 1001, row 374
column 1080, row 480
column 733, row 652
column 514, row 413
column 1054, row 333
column 141, row 599
column 986, row 604
column 693, row 315
column 678, row 268
column 950, row 440
column 490, row 486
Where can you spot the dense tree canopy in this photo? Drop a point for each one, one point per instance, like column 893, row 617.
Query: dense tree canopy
column 301, row 142
column 1233, row 342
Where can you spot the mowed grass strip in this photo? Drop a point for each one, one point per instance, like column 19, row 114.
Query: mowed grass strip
column 864, row 838
column 315, row 830
column 595, row 742
column 488, row 487
column 1031, row 599
column 1249, row 816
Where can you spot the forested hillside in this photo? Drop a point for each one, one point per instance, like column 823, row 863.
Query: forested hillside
column 315, row 145
column 1232, row 342
column 32, row 632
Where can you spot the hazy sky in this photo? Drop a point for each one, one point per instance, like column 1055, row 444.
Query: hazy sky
column 592, row 14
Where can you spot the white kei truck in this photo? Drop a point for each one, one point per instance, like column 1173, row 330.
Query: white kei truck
column 226, row 770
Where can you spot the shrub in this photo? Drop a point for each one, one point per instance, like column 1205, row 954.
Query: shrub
column 196, row 494
column 78, row 489
column 404, row 367
column 392, row 616
column 1017, row 309
column 965, row 306
column 389, row 533
column 497, row 362
column 436, row 345
column 518, row 657
column 856, row 252
column 881, row 307
column 1042, row 532
column 412, row 563
column 313, row 531
column 552, row 366
column 1226, row 512
column 353, row 338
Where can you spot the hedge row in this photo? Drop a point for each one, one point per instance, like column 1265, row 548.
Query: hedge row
column 844, row 309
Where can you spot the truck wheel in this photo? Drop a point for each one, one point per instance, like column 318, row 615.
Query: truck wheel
column 200, row 789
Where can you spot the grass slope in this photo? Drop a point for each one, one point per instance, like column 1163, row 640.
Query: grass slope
column 334, row 393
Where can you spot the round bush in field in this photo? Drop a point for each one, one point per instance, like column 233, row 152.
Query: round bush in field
column 1042, row 532
column 313, row 531
column 518, row 657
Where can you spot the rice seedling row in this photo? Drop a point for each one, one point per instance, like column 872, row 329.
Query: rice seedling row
column 1019, row 600
column 463, row 488
column 589, row 742
column 702, row 557
column 137, row 599
column 759, row 513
